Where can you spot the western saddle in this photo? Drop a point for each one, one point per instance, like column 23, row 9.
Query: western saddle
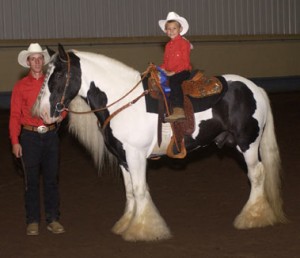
column 199, row 86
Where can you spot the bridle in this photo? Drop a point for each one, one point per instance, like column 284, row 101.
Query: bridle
column 60, row 106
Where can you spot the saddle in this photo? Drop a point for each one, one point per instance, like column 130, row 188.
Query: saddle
column 199, row 86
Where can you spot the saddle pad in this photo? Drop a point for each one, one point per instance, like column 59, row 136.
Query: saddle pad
column 199, row 104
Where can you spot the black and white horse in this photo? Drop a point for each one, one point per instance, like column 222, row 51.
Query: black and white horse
column 85, row 81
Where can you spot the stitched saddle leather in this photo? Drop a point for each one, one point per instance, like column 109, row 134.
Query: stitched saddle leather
column 201, row 86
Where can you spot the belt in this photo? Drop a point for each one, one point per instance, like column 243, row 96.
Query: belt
column 40, row 129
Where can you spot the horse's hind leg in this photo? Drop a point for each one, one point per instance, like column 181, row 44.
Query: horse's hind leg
column 257, row 212
column 141, row 220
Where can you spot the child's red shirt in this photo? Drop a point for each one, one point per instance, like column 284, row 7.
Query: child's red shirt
column 177, row 55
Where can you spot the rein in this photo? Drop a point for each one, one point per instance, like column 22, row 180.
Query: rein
column 107, row 120
column 118, row 100
column 61, row 107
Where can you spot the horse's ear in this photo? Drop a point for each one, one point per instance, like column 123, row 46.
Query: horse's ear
column 50, row 51
column 62, row 53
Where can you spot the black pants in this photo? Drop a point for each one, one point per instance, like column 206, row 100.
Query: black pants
column 175, row 81
column 40, row 151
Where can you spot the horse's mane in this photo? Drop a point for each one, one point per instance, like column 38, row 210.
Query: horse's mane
column 106, row 64
column 85, row 128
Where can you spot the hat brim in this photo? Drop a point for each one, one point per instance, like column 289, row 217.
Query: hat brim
column 22, row 58
column 181, row 20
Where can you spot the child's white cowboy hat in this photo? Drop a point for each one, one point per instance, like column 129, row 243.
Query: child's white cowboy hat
column 34, row 48
column 172, row 16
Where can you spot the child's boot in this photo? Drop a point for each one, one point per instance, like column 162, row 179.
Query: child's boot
column 178, row 114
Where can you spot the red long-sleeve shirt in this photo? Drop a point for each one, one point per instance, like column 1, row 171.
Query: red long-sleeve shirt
column 23, row 97
column 177, row 55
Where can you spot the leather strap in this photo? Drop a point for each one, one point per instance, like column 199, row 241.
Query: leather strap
column 35, row 128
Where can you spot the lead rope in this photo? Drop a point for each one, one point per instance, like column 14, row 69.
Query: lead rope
column 25, row 174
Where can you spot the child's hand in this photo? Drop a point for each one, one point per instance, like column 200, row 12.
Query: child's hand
column 169, row 73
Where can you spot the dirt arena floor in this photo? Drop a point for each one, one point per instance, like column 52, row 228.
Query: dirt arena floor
column 198, row 197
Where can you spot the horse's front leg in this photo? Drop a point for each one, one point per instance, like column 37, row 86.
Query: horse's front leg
column 146, row 223
column 123, row 223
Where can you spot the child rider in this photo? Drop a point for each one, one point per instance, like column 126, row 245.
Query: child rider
column 176, row 62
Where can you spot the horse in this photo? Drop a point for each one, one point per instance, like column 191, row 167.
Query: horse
column 108, row 92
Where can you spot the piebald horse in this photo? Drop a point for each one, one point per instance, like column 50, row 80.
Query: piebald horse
column 84, row 81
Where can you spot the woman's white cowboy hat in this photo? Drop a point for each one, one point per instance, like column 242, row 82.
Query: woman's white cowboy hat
column 34, row 48
column 172, row 16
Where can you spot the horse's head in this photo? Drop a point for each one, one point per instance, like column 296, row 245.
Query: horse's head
column 61, row 85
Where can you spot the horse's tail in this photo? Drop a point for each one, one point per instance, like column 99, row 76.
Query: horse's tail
column 86, row 130
column 270, row 158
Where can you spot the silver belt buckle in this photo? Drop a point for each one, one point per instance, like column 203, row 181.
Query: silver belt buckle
column 42, row 129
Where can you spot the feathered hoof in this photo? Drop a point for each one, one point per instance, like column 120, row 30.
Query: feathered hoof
column 121, row 226
column 248, row 222
column 140, row 233
column 256, row 215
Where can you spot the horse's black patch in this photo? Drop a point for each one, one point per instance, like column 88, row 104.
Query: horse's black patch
column 232, row 123
column 241, row 107
column 58, row 81
column 98, row 99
